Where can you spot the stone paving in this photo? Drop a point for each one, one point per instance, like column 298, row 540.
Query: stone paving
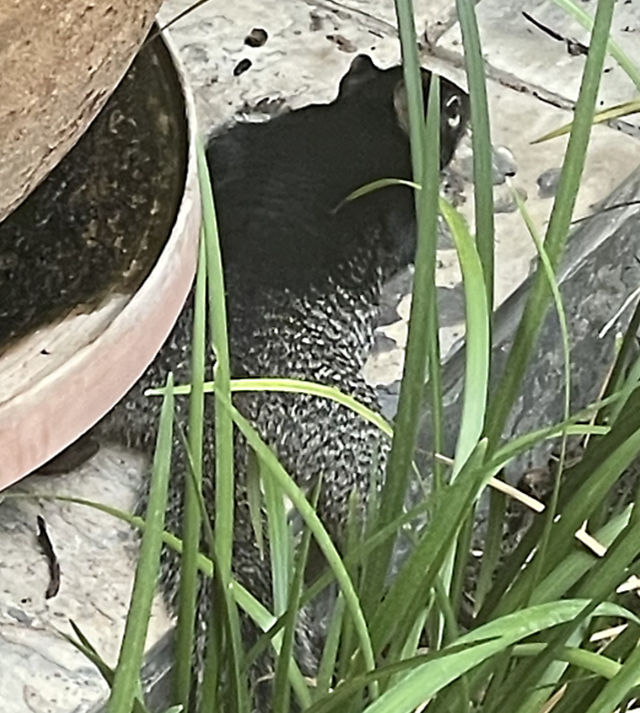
column 532, row 83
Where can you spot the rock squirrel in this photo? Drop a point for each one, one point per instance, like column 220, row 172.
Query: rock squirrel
column 303, row 285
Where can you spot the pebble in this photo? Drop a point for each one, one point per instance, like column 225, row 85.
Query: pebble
column 256, row 38
column 503, row 199
column 547, row 182
column 503, row 163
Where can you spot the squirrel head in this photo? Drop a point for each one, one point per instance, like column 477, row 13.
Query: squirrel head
column 363, row 75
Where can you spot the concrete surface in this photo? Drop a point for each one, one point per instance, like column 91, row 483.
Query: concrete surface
column 532, row 82
column 40, row 670
column 512, row 45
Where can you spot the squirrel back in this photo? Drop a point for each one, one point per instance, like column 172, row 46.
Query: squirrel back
column 278, row 184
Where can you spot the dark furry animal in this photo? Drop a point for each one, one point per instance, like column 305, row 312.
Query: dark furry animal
column 303, row 284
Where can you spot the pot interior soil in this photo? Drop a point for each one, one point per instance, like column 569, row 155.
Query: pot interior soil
column 96, row 225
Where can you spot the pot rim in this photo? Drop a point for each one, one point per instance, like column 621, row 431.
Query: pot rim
column 46, row 416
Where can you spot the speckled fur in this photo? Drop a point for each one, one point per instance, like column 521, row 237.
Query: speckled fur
column 303, row 284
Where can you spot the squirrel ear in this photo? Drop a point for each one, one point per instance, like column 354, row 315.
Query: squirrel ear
column 362, row 69
column 401, row 101
column 401, row 105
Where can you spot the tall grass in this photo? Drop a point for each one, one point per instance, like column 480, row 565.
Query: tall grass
column 422, row 337
column 396, row 644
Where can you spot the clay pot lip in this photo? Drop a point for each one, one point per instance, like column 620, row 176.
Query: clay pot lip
column 45, row 417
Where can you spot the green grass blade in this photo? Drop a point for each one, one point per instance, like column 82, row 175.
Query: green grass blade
column 223, row 426
column 624, row 358
column 628, row 387
column 354, row 557
column 125, row 682
column 583, row 692
column 306, row 511
column 557, row 298
column 527, row 440
column 92, row 655
column 585, row 487
column 348, row 642
column 376, row 186
column 424, row 681
column 566, row 360
column 421, row 323
column 279, row 541
column 231, row 589
column 407, row 593
column 338, row 699
column 283, row 667
column 225, row 612
column 428, row 201
column 330, row 650
column 280, row 554
column 292, row 386
column 608, row 114
column 413, row 83
column 560, row 580
column 535, row 308
column 492, row 548
column 477, row 336
column 265, row 620
column 581, row 658
column 255, row 500
column 191, row 525
column 85, row 647
column 208, row 694
column 539, row 617
column 481, row 142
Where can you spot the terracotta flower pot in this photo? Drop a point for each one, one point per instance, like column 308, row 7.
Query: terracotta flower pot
column 57, row 381
column 59, row 63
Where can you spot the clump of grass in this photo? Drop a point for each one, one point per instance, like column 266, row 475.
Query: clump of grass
column 397, row 645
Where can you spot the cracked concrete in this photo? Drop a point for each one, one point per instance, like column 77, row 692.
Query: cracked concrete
column 532, row 84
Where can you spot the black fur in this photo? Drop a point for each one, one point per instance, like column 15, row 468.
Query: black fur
column 278, row 183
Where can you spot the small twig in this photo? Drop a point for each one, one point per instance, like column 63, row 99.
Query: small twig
column 629, row 585
column 574, row 47
column 443, row 459
column 555, row 699
column 604, row 634
column 611, row 323
column 600, row 211
column 516, row 494
column 590, row 542
column 503, row 487
column 158, row 31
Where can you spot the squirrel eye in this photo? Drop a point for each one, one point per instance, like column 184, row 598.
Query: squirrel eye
column 452, row 106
